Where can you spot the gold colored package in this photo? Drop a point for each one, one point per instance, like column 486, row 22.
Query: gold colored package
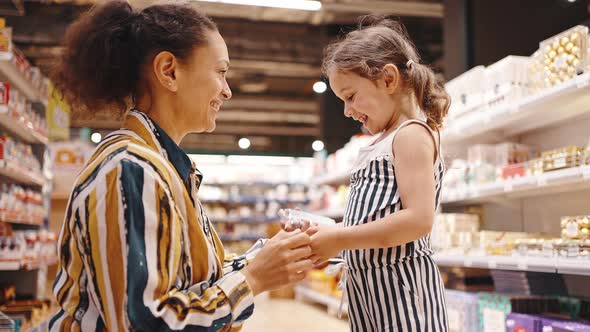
column 565, row 55
column 562, row 158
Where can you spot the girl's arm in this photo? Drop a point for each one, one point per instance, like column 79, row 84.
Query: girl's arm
column 415, row 151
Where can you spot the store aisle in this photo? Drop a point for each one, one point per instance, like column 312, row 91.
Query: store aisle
column 291, row 316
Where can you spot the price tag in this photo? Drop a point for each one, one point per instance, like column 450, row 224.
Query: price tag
column 541, row 181
column 468, row 262
column 508, row 186
column 586, row 173
column 492, row 264
column 583, row 83
column 522, row 264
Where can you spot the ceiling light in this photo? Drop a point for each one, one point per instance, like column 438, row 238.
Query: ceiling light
column 320, row 87
column 96, row 137
column 317, row 146
column 287, row 4
column 244, row 143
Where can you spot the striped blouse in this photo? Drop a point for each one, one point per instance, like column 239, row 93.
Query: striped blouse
column 137, row 251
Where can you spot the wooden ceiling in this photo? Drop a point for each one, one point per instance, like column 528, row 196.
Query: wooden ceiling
column 275, row 54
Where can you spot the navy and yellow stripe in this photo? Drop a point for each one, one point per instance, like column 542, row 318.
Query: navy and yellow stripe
column 135, row 241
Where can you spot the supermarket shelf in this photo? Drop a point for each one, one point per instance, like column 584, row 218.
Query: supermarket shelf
column 304, row 293
column 253, row 220
column 332, row 179
column 27, row 266
column 254, row 183
column 11, row 171
column 548, row 107
column 11, row 218
column 10, row 73
column 516, row 263
column 565, row 180
column 20, row 128
column 330, row 213
column 247, row 237
column 44, row 325
column 252, row 200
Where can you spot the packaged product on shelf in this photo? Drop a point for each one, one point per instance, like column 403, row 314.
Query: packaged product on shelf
column 4, row 96
column 467, row 92
column 511, row 159
column 467, row 280
column 494, row 309
column 567, row 248
column 529, row 283
column 454, row 230
column 506, row 81
column 562, row 158
column 522, row 322
column 574, row 228
column 28, row 313
column 565, row 55
column 462, row 311
column 5, row 36
column 586, row 157
column 536, row 72
column 570, row 327
column 7, row 293
column 18, row 154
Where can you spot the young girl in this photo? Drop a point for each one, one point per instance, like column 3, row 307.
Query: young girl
column 392, row 281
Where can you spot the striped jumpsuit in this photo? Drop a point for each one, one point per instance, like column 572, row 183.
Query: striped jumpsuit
column 391, row 289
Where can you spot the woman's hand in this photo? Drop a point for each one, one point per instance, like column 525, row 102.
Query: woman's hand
column 283, row 261
column 325, row 243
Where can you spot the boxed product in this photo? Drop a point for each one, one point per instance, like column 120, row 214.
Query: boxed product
column 575, row 228
column 455, row 230
column 462, row 311
column 562, row 158
column 467, row 92
column 565, row 55
column 468, row 280
column 570, row 327
column 529, row 283
column 5, row 37
column 507, row 80
column 536, row 72
column 523, row 323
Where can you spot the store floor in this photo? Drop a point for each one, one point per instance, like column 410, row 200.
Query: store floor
column 291, row 316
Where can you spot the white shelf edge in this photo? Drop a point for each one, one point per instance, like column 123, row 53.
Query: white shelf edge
column 505, row 117
column 20, row 129
column 516, row 263
column 17, row 79
column 565, row 180
column 25, row 177
column 342, row 178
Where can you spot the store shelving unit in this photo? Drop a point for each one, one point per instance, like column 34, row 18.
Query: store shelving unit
column 558, row 181
column 15, row 173
column 304, row 293
column 10, row 73
column 28, row 276
column 516, row 263
column 252, row 200
column 243, row 237
column 251, row 220
column 534, row 112
column 20, row 128
column 336, row 179
column 27, row 265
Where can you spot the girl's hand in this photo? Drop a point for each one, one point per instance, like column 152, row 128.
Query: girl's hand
column 325, row 243
column 283, row 260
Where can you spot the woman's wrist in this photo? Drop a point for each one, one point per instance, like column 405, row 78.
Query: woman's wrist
column 341, row 235
column 254, row 286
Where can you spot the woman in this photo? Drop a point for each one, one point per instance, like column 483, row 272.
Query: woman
column 137, row 251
